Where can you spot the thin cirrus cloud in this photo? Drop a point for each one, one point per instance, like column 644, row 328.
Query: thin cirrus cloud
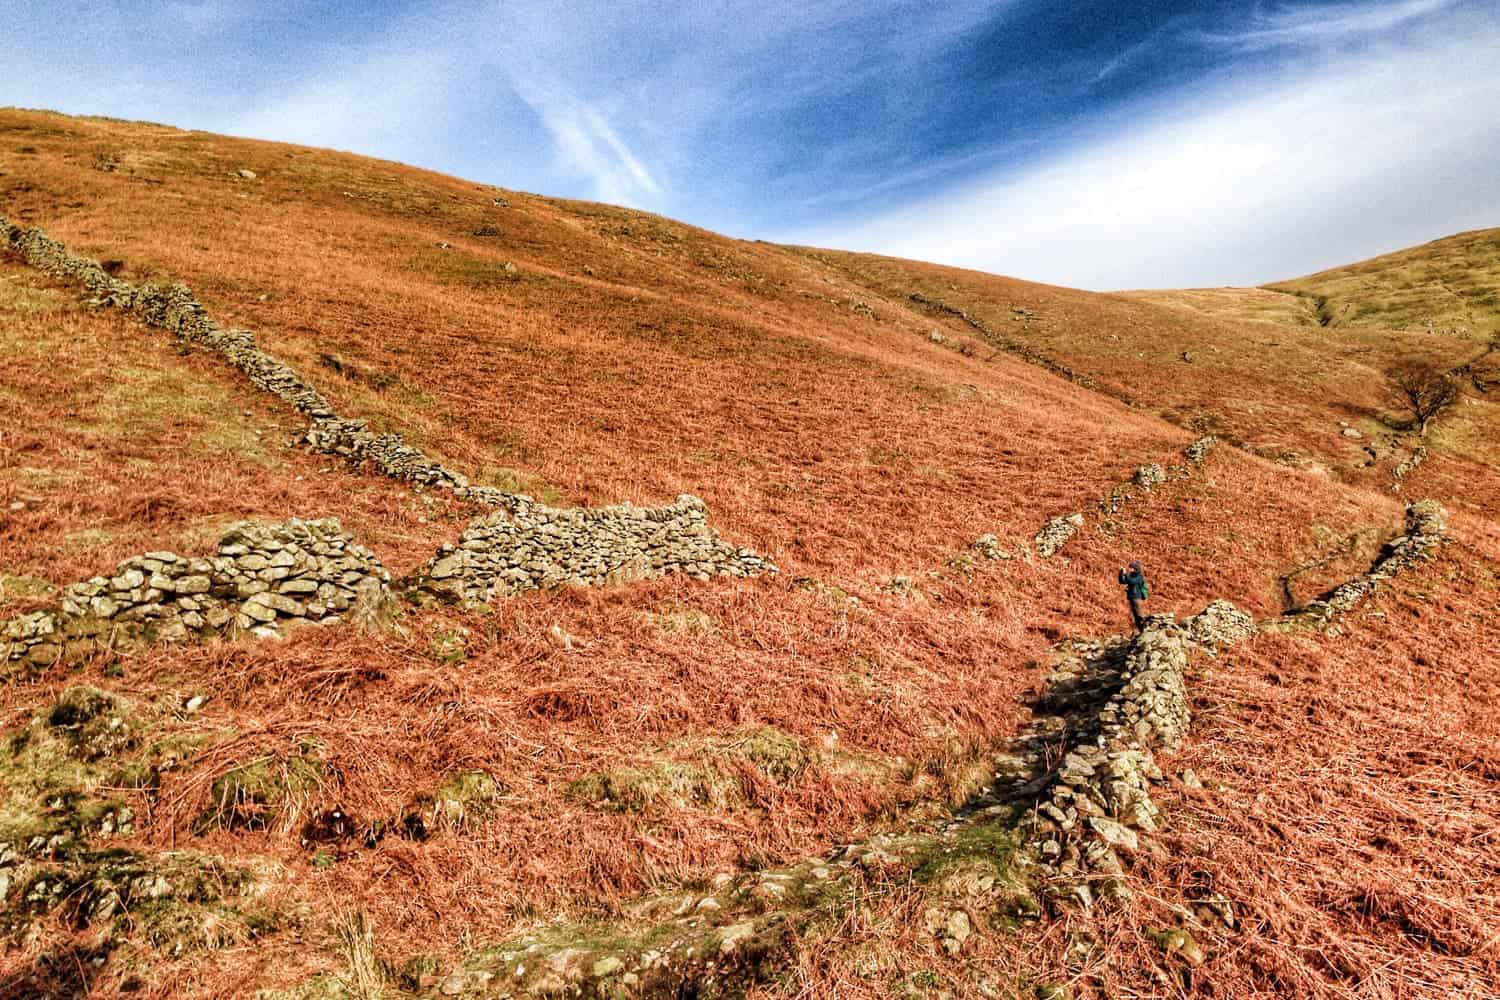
column 1264, row 175
column 1325, row 23
column 589, row 145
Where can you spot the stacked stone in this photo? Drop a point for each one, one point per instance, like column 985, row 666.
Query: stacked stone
column 1101, row 795
column 1147, row 476
column 1055, row 534
column 349, row 440
column 32, row 641
column 539, row 547
column 173, row 308
column 1219, row 624
column 263, row 580
column 1199, row 449
column 1409, row 465
column 1426, row 530
column 987, row 546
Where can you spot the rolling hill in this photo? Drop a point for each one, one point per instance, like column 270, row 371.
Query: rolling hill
column 755, row 740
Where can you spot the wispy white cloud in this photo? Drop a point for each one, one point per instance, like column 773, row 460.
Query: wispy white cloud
column 1255, row 181
column 1363, row 124
column 588, row 145
column 1123, row 59
column 1325, row 23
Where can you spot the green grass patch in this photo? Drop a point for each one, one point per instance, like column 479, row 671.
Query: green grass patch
column 663, row 785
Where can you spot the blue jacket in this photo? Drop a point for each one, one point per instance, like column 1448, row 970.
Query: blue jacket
column 1134, row 583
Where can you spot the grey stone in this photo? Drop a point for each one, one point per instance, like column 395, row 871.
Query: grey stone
column 258, row 611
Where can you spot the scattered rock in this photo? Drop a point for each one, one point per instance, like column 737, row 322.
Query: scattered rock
column 1147, row 476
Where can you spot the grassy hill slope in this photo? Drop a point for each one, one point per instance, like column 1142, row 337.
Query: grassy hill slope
column 1247, row 364
column 608, row 744
column 1450, row 286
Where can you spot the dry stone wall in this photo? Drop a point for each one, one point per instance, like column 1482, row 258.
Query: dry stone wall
column 541, row 547
column 262, row 580
column 1100, row 798
column 567, row 545
column 1426, row 530
column 173, row 308
column 1126, row 700
column 1112, row 705
column 1059, row 530
column 1055, row 534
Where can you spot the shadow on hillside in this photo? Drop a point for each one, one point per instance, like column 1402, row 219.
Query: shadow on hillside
column 68, row 972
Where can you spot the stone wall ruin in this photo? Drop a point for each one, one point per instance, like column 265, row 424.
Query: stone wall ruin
column 262, row 580
column 1426, row 530
column 173, row 308
column 1059, row 530
column 541, row 547
column 1125, row 700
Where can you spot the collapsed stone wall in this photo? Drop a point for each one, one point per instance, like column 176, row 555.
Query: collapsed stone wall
column 262, row 580
column 1021, row 350
column 1407, row 466
column 1100, row 795
column 173, row 308
column 1059, row 530
column 539, row 547
column 1113, row 704
column 1426, row 530
column 1134, row 702
column 1055, row 534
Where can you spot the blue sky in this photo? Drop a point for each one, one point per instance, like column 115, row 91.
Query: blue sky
column 1098, row 143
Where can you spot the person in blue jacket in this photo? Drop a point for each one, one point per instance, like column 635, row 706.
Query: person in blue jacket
column 1136, row 592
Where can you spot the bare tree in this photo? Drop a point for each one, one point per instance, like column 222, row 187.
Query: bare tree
column 1424, row 390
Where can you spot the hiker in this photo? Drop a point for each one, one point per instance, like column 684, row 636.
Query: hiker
column 1136, row 592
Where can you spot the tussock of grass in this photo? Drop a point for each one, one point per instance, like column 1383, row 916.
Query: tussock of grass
column 663, row 785
column 269, row 792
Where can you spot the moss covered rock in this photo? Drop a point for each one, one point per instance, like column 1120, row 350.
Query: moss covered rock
column 97, row 724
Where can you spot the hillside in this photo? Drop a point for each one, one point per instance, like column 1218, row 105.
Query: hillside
column 1242, row 363
column 541, row 732
column 1449, row 286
